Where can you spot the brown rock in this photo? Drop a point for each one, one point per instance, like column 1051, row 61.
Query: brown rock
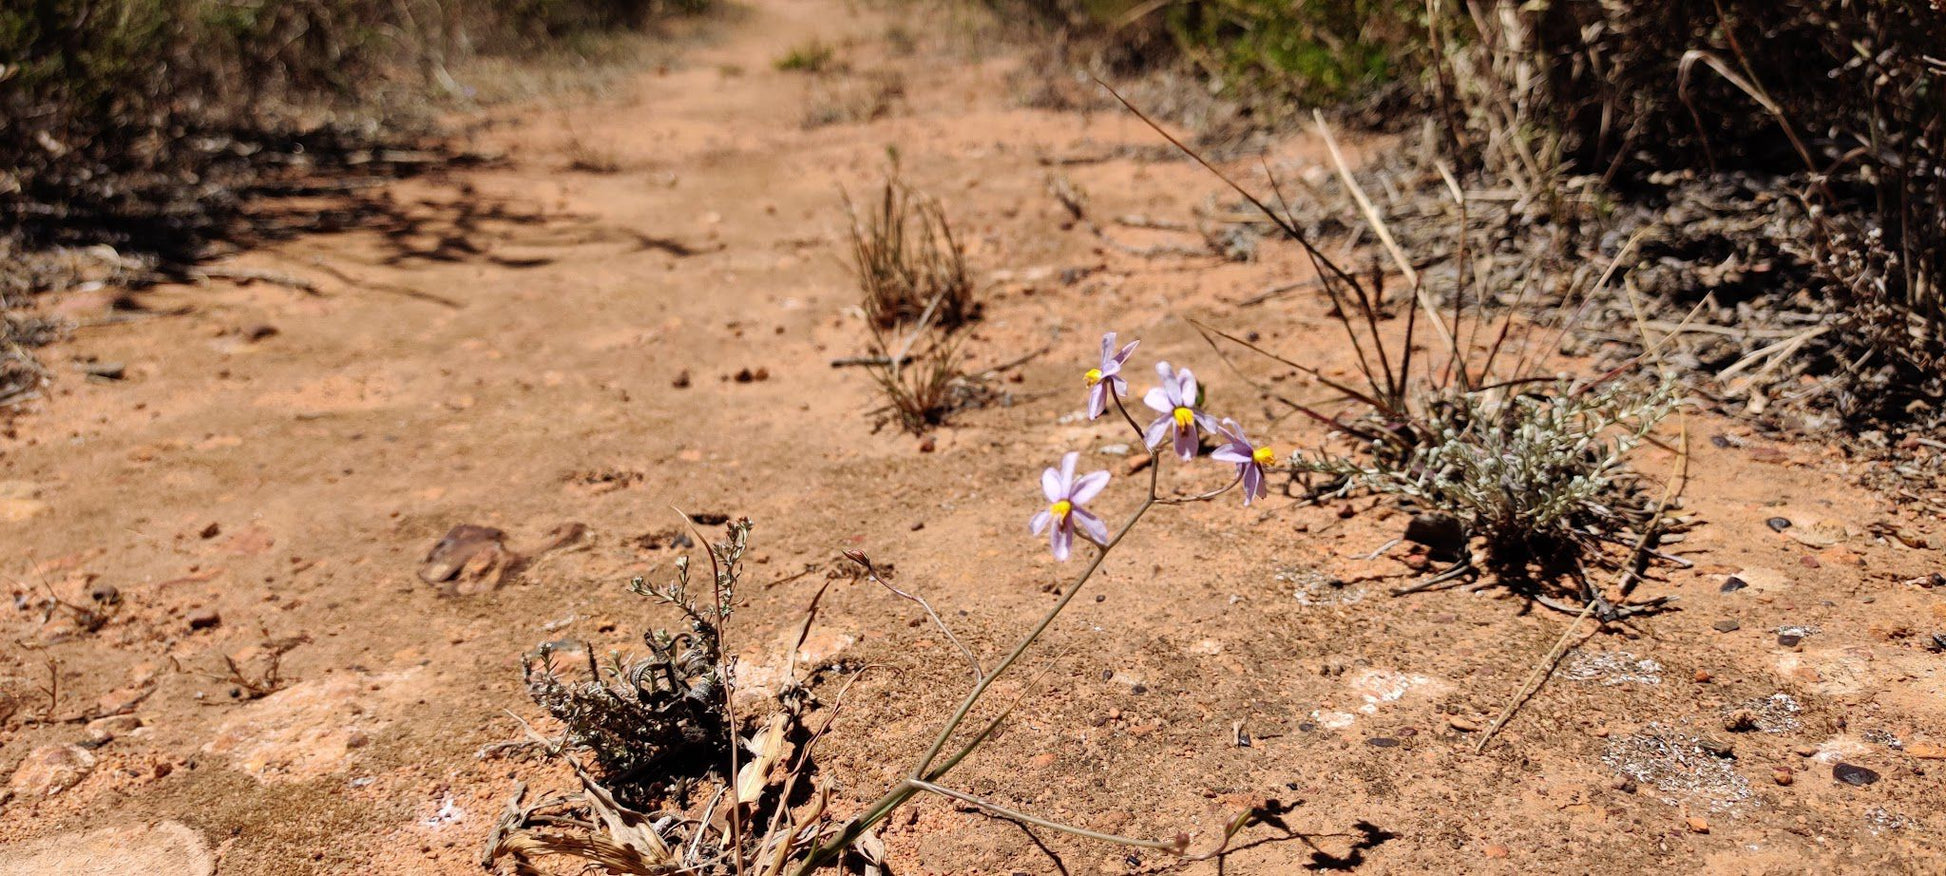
column 51, row 769
column 1496, row 851
column 204, row 618
column 1698, row 824
column 1926, row 751
column 104, row 729
column 1783, row 776
column 168, row 847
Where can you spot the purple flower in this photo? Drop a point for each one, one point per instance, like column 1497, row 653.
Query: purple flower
column 1065, row 495
column 1107, row 378
column 1176, row 400
column 1250, row 461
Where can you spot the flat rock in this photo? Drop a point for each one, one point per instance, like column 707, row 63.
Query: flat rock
column 167, row 847
column 51, row 769
column 310, row 729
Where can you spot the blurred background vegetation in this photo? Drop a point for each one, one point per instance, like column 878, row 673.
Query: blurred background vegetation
column 143, row 123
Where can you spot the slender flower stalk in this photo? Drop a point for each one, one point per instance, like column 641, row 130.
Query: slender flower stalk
column 1106, row 379
column 1176, row 401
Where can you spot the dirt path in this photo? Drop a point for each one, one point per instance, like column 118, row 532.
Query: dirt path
column 542, row 343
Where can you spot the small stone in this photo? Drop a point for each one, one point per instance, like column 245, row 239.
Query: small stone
column 1115, row 449
column 1852, row 774
column 1716, row 747
column 1733, row 584
column 1496, row 851
column 1783, row 776
column 1702, row 676
column 1778, row 524
column 1926, row 751
column 104, row 593
column 1624, row 784
column 1382, row 742
column 1726, row 626
column 211, row 531
column 927, row 444
column 1461, row 724
column 105, row 370
column 1139, row 462
column 259, row 331
column 1789, row 640
column 105, row 729
column 1805, row 750
column 681, row 380
column 1698, row 824
column 51, row 769
column 204, row 618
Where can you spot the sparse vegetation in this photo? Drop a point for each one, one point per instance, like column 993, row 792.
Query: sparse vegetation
column 917, row 291
column 813, row 56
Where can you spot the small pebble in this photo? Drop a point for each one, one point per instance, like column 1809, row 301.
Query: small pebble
column 1789, row 640
column 1778, row 524
column 1461, row 724
column 1727, row 626
column 1805, row 750
column 1783, row 776
column 1715, row 747
column 203, row 619
column 105, row 593
column 1734, row 584
column 1852, row 774
column 1382, row 742
column 1698, row 824
column 681, row 380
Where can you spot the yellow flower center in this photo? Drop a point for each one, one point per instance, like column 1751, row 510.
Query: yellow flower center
column 1060, row 509
column 1264, row 456
column 1093, row 376
column 1184, row 417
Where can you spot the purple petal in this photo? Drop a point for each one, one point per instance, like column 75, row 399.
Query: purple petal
column 1232, row 430
column 1091, row 526
column 1158, row 399
column 1154, row 434
column 1051, row 485
column 1121, row 386
column 1107, row 349
column 1231, row 453
column 1186, row 443
column 1253, row 484
column 1067, row 472
column 1040, row 521
column 1062, row 539
column 1097, row 400
column 1088, row 486
column 1126, row 352
column 1187, row 383
column 1206, row 421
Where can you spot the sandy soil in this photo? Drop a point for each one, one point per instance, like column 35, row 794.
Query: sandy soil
column 504, row 350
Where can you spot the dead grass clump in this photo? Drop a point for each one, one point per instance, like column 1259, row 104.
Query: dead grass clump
column 662, row 716
column 682, row 783
column 853, row 99
column 910, row 265
column 916, row 291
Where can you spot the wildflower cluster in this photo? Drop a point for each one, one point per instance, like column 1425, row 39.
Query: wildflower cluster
column 1180, row 422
